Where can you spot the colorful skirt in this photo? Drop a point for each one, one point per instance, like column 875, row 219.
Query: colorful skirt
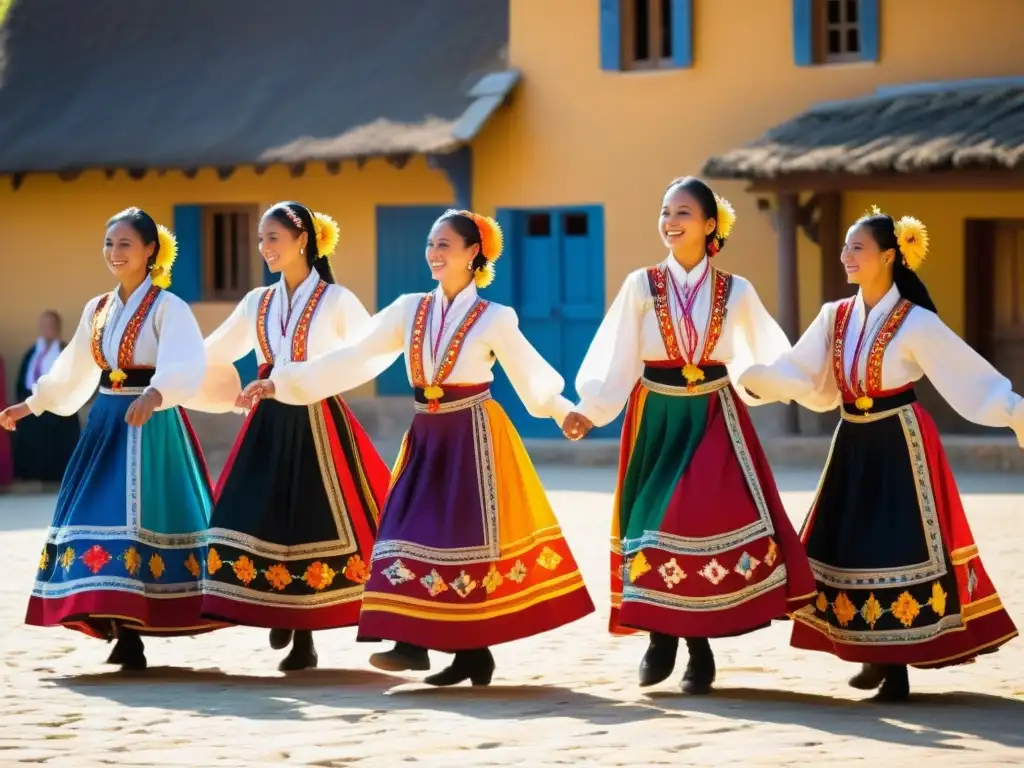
column 899, row 577
column 295, row 519
column 470, row 553
column 126, row 542
column 701, row 545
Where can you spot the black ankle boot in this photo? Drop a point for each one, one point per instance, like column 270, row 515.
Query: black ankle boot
column 403, row 657
column 869, row 678
column 896, row 686
column 477, row 666
column 660, row 659
column 302, row 655
column 280, row 639
column 129, row 651
column 700, row 669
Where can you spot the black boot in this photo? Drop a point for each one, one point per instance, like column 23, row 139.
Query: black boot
column 280, row 639
column 700, row 669
column 660, row 659
column 896, row 686
column 402, row 658
column 129, row 651
column 869, row 678
column 477, row 666
column 302, row 655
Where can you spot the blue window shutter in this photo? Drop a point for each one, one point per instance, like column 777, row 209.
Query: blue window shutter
column 611, row 35
column 803, row 32
column 869, row 50
column 682, row 33
column 187, row 277
column 502, row 290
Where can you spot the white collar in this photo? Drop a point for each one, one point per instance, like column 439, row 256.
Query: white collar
column 303, row 288
column 466, row 296
column 883, row 307
column 684, row 277
column 137, row 293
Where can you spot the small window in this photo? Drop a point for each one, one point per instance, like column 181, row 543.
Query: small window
column 228, row 247
column 646, row 34
column 838, row 34
column 575, row 224
column 538, row 225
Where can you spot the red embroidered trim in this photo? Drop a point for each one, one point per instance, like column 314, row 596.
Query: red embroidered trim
column 300, row 338
column 889, row 329
column 843, row 312
column 716, row 321
column 656, row 277
column 126, row 349
column 419, row 329
column 659, row 291
column 261, row 325
column 98, row 318
column 451, row 353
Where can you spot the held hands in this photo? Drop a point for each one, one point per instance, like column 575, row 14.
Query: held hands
column 11, row 416
column 576, row 426
column 257, row 390
column 142, row 408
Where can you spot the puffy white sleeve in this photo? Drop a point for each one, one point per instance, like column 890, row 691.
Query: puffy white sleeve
column 74, row 375
column 352, row 323
column 759, row 339
column 966, row 381
column 347, row 367
column 803, row 374
column 180, row 355
column 232, row 341
column 612, row 365
column 538, row 385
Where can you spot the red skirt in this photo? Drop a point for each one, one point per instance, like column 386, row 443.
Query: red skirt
column 899, row 576
column 701, row 544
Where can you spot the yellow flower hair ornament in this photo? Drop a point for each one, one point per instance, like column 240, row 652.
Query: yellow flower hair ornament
column 165, row 256
column 492, row 241
column 725, row 218
column 326, row 233
column 913, row 239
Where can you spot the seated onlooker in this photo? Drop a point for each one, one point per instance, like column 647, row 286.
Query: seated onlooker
column 43, row 445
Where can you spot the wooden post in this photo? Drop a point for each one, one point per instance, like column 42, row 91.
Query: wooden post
column 789, row 285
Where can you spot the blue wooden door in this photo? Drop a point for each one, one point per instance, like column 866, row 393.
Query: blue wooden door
column 401, row 238
column 554, row 278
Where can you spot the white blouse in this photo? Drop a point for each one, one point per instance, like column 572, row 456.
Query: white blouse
column 337, row 317
column 495, row 334
column 630, row 335
column 923, row 346
column 170, row 341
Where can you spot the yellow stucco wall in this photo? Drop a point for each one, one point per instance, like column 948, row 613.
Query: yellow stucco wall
column 51, row 231
column 576, row 134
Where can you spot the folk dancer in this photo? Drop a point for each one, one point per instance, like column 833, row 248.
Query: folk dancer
column 124, row 556
column 701, row 546
column 298, row 503
column 900, row 581
column 470, row 553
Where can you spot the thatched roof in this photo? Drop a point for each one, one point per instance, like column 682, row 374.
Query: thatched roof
column 967, row 127
column 196, row 83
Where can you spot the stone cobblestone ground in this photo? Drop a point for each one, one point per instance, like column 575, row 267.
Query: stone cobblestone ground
column 566, row 698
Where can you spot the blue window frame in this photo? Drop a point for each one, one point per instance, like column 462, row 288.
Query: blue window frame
column 835, row 31
column 646, row 34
